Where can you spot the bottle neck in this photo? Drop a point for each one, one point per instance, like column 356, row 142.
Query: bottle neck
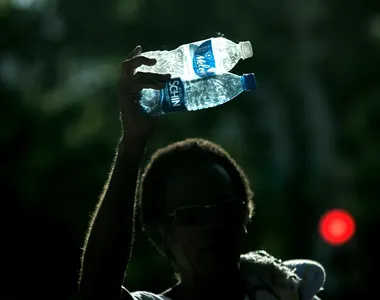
column 245, row 49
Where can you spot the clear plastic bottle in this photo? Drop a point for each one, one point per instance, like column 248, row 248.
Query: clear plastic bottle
column 199, row 59
column 181, row 94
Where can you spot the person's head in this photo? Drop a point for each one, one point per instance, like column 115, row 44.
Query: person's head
column 195, row 203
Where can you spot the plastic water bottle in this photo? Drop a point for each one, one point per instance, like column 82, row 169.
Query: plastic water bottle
column 180, row 94
column 199, row 59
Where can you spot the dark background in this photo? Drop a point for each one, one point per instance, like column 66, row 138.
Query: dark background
column 308, row 137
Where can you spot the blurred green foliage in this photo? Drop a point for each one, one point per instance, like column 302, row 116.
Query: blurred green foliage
column 308, row 138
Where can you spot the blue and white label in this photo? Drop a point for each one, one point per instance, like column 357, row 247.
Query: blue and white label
column 203, row 59
column 173, row 96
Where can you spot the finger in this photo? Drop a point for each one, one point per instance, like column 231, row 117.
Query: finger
column 135, row 52
column 143, row 80
column 130, row 65
column 134, row 90
column 146, row 78
column 155, row 85
column 138, row 61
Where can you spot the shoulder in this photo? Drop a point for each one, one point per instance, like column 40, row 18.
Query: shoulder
column 264, row 272
column 299, row 279
column 260, row 264
column 142, row 295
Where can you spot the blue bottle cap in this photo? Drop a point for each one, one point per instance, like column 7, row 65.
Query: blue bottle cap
column 249, row 81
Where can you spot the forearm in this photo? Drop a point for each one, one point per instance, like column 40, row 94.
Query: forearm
column 109, row 238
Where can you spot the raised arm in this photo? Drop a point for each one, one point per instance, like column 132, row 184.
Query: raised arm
column 109, row 238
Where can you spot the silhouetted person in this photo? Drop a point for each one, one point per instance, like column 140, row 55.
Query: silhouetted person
column 195, row 203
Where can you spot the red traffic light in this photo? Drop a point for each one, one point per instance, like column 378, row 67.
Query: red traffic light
column 337, row 227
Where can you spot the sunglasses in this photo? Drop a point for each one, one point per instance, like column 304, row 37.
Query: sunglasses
column 231, row 210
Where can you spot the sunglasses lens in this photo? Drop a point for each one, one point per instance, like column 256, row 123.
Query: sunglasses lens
column 191, row 216
column 231, row 211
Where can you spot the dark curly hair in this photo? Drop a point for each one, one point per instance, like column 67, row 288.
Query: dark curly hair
column 151, row 198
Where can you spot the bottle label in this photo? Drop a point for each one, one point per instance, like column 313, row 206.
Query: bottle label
column 173, row 96
column 203, row 59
